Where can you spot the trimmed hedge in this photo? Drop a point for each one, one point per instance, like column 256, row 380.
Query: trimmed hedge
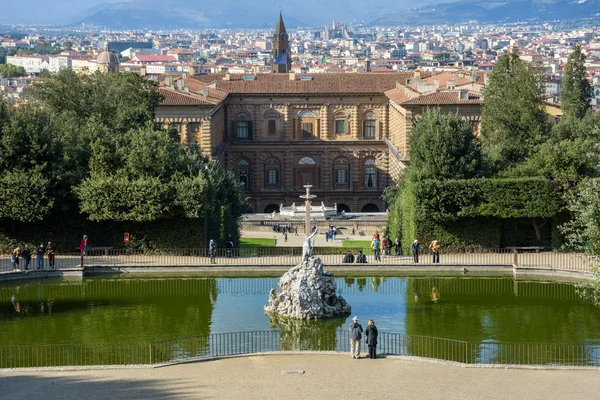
column 474, row 213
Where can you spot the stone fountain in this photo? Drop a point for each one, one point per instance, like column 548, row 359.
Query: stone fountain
column 307, row 290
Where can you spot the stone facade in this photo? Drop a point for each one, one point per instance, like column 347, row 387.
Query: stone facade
column 344, row 133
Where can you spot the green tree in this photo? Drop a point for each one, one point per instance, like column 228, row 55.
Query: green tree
column 576, row 90
column 443, row 146
column 513, row 122
column 30, row 164
column 11, row 71
column 67, row 45
column 119, row 101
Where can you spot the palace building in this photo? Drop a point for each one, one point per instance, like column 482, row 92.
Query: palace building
column 344, row 133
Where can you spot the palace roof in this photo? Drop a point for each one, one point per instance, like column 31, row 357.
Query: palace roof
column 325, row 83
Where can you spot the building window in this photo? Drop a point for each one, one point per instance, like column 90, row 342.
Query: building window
column 341, row 177
column 243, row 170
column 370, row 174
column 307, row 129
column 194, row 127
column 340, row 126
column 272, row 177
column 157, row 126
column 272, row 126
column 370, row 129
column 176, row 126
column 307, row 161
column 242, row 130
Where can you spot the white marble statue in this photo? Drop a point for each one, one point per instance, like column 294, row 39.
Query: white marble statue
column 323, row 206
column 306, row 247
column 293, row 206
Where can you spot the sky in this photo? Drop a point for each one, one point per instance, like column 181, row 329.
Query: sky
column 57, row 12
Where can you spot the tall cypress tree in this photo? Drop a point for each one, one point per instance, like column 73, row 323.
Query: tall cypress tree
column 576, row 90
column 513, row 122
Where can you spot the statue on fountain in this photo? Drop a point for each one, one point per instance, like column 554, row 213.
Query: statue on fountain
column 307, row 290
column 306, row 246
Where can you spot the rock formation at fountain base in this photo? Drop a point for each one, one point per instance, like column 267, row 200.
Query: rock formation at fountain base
column 307, row 292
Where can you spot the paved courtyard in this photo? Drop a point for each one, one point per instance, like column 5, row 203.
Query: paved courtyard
column 325, row 377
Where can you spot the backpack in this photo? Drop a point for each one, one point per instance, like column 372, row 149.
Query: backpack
column 375, row 244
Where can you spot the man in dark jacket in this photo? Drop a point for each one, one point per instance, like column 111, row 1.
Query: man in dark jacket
column 26, row 254
column 355, row 333
column 349, row 257
column 361, row 258
column 415, row 247
column 229, row 245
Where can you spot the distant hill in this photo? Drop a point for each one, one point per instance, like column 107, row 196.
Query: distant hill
column 172, row 14
column 491, row 11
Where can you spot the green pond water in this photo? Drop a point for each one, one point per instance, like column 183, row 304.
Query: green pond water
column 140, row 309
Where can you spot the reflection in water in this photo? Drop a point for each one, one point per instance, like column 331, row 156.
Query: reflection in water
column 480, row 310
column 312, row 334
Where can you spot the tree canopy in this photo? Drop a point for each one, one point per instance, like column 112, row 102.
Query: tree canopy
column 442, row 146
column 11, row 71
column 513, row 122
column 576, row 91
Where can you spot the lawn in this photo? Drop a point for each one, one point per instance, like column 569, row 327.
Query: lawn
column 251, row 243
column 359, row 244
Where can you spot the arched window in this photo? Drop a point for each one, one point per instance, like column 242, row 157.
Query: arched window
column 242, row 126
column 341, row 171
column 307, row 161
column 243, row 173
column 370, row 126
column 370, row 174
column 307, row 114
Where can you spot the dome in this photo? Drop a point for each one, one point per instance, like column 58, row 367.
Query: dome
column 107, row 56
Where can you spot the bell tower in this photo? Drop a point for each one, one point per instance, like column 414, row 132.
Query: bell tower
column 282, row 62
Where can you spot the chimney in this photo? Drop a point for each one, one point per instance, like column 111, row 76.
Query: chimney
column 204, row 92
column 417, row 73
column 179, row 84
column 292, row 76
column 190, row 70
column 227, row 77
column 168, row 80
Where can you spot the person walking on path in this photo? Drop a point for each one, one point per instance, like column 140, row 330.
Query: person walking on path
column 40, row 256
column 415, row 247
column 355, row 332
column 26, row 254
column 14, row 258
column 212, row 251
column 84, row 245
column 398, row 246
column 371, row 333
column 51, row 252
column 376, row 248
column 229, row 245
column 435, row 250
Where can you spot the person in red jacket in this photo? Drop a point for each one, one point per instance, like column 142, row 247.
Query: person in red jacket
column 83, row 245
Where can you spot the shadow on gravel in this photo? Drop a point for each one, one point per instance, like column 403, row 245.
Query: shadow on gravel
column 33, row 387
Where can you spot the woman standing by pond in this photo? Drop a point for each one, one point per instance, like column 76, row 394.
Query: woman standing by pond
column 372, row 334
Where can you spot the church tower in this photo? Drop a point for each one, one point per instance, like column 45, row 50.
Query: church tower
column 282, row 62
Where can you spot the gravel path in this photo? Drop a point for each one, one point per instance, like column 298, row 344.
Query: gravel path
column 325, row 377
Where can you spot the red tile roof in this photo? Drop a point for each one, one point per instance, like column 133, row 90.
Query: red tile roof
column 326, row 83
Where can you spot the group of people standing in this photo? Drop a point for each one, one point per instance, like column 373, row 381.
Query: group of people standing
column 434, row 247
column 355, row 332
column 26, row 255
column 383, row 244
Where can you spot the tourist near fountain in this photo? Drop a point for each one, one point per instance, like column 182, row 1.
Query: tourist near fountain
column 307, row 291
